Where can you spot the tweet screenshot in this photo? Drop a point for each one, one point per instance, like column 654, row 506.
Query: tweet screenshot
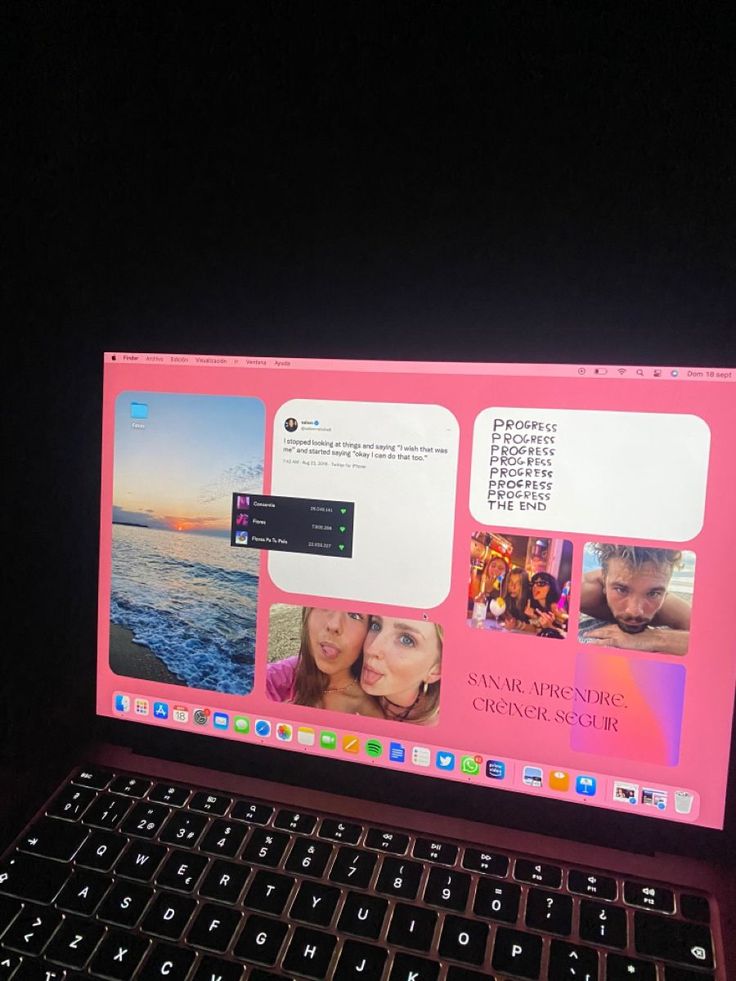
column 398, row 465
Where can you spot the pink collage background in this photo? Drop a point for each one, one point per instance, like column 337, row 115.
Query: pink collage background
column 710, row 666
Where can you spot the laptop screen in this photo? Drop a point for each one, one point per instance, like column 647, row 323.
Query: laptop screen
column 512, row 576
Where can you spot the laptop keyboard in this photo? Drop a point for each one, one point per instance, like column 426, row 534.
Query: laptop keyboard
column 124, row 877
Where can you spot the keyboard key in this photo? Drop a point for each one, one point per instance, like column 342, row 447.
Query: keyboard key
column 71, row 803
column 214, row 969
column 214, row 927
column 168, row 915
column 412, row 927
column 52, row 838
column 141, row 861
column 549, row 911
column 435, row 851
column 591, row 884
column 572, row 961
column 308, row 857
column 688, row 944
column 649, row 897
column 488, row 862
column 8, row 963
column 168, row 962
column 399, row 878
column 100, row 850
column 224, row 838
column 83, row 893
column 94, row 777
column 408, row 967
column 341, row 831
column 183, row 829
column 35, row 879
column 107, row 811
column 602, row 924
column 145, row 820
column 359, row 962
column 455, row 973
column 309, row 953
column 447, row 889
column 32, row 929
column 125, row 904
column 680, row 974
column 497, row 901
column 260, row 940
column 295, row 821
column 363, row 916
column 37, row 970
column 181, row 870
column 9, row 909
column 353, row 867
column 538, row 873
column 620, row 968
column 130, row 786
column 252, row 813
column 695, row 908
column 119, row 955
column 265, row 847
column 269, row 892
column 387, row 841
column 209, row 803
column 315, row 903
column 517, row 953
column 164, row 793
column 224, row 881
column 75, row 942
column 463, row 940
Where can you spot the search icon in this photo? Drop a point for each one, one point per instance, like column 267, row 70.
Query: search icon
column 640, row 371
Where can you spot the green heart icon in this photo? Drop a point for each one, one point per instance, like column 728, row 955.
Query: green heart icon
column 343, row 510
column 341, row 547
column 343, row 529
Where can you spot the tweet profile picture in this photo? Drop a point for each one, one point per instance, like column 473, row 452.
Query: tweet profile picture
column 291, row 425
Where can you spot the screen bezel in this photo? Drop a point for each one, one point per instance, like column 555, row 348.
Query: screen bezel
column 542, row 815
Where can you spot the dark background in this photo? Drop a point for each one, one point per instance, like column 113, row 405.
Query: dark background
column 491, row 181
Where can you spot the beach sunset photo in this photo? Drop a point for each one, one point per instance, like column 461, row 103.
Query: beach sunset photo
column 183, row 602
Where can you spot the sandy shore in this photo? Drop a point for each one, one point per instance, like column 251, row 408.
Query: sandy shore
column 136, row 660
column 284, row 629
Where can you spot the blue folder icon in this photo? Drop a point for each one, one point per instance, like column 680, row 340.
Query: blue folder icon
column 138, row 410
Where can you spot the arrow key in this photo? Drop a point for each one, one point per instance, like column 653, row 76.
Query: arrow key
column 572, row 961
column 31, row 931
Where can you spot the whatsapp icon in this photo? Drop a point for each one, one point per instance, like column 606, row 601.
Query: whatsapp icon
column 469, row 764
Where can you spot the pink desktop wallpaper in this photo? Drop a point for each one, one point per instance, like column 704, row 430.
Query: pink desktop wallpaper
column 518, row 687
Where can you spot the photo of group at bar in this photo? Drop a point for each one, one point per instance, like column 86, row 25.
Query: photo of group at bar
column 519, row 584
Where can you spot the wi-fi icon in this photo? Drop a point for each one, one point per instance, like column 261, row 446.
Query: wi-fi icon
column 621, row 371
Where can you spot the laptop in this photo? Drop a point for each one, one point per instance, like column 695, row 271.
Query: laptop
column 406, row 672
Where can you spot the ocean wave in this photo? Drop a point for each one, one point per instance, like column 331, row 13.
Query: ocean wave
column 179, row 598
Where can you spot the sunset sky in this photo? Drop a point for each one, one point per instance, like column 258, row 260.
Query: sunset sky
column 193, row 451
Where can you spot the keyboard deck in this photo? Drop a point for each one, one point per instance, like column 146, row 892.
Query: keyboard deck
column 125, row 877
